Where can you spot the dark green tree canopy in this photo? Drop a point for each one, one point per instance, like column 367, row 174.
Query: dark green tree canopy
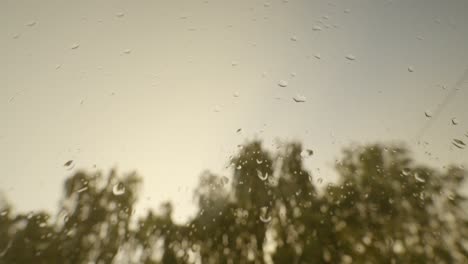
column 384, row 208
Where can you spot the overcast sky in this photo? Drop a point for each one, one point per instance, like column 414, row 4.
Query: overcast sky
column 162, row 86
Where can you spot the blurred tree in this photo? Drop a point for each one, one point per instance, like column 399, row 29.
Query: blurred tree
column 384, row 208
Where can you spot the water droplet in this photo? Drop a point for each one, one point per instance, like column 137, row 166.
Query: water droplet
column 307, row 153
column 428, row 114
column 418, row 178
column 264, row 217
column 234, row 63
column 120, row 14
column 3, row 213
column 127, row 51
column 225, row 180
column 410, row 69
column 217, row 109
column 450, row 196
column 235, row 94
column 319, row 180
column 58, row 66
column 75, row 46
column 299, row 98
column 118, row 189
column 347, row 11
column 69, row 164
column 458, row 143
column 239, row 167
column 282, row 83
column 350, row 57
column 318, row 56
column 261, row 176
column 82, row 189
column 31, row 24
column 406, row 171
column 317, row 28
column 293, row 38
column 16, row 36
column 293, row 74
column 259, row 161
column 238, row 130
column 454, row 121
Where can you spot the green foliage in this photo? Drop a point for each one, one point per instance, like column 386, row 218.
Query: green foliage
column 384, row 208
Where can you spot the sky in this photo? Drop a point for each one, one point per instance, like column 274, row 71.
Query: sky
column 161, row 87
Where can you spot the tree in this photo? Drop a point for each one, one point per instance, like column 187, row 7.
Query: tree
column 385, row 208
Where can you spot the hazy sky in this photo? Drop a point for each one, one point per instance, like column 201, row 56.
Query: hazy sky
column 150, row 85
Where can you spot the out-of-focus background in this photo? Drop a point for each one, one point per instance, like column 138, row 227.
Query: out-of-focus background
column 170, row 89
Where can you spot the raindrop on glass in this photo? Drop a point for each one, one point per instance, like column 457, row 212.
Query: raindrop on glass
column 455, row 121
column 318, row 56
column 282, row 83
column 127, row 51
column 69, row 164
column 31, row 24
column 458, row 143
column 225, row 180
column 75, row 46
column 118, row 189
column 406, row 171
column 234, row 63
column 259, row 161
column 293, row 38
column 307, row 153
column 82, row 189
column 299, row 98
column 235, row 94
column 428, row 114
column 317, row 28
column 264, row 217
column 418, row 178
column 261, row 176
column 120, row 14
column 238, row 130
column 410, row 69
column 350, row 57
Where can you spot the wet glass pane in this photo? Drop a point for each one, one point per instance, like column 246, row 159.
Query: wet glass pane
column 222, row 131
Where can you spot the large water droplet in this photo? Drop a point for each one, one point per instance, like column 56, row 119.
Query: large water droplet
column 264, row 217
column 69, row 165
column 75, row 46
column 418, row 178
column 307, row 153
column 299, row 98
column 406, row 171
column 235, row 94
column 317, row 28
column 261, row 176
column 118, row 189
column 31, row 24
column 458, row 143
column 82, row 189
column 455, row 121
column 350, row 57
column 293, row 38
column 428, row 114
column 283, row 83
column 259, row 161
